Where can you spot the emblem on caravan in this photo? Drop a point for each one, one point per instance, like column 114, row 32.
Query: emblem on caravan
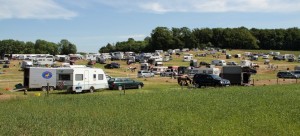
column 47, row 75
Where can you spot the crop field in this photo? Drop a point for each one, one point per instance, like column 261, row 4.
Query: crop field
column 162, row 107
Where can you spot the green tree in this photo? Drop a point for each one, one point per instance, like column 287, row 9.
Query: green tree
column 66, row 47
column 29, row 48
column 161, row 39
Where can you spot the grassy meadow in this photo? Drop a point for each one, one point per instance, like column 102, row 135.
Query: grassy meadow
column 162, row 107
column 264, row 110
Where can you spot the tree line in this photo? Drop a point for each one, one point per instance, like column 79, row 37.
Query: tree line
column 11, row 46
column 163, row 38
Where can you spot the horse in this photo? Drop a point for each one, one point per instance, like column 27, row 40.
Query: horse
column 184, row 80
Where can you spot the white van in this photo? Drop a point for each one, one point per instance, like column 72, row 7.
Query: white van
column 218, row 62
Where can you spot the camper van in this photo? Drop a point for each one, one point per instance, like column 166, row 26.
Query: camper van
column 218, row 62
column 117, row 55
column 74, row 79
column 187, row 58
column 192, row 72
column 246, row 63
column 43, row 61
column 26, row 64
column 159, row 69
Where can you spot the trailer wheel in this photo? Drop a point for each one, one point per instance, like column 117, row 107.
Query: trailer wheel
column 51, row 88
column 120, row 88
column 44, row 88
column 92, row 89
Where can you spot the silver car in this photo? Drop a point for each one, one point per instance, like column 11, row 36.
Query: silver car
column 143, row 73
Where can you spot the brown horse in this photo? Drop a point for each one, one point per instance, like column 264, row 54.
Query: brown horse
column 184, row 80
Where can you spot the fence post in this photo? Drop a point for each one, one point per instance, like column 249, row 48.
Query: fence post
column 124, row 90
column 47, row 89
column 277, row 81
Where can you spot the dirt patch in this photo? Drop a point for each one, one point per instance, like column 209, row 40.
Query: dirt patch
column 4, row 97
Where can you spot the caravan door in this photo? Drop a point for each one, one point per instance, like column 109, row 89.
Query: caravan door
column 86, row 82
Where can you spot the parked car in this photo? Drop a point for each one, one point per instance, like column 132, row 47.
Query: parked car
column 231, row 63
column 279, row 57
column 143, row 73
column 121, row 83
column 202, row 63
column 265, row 56
column 209, row 80
column 286, row 74
column 297, row 73
column 267, row 61
column 112, row 65
column 253, row 57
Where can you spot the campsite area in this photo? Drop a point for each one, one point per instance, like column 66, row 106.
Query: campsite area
column 162, row 107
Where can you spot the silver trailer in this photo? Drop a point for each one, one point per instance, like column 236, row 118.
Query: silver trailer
column 40, row 78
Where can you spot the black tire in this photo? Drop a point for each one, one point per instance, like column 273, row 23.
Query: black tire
column 139, row 87
column 51, row 88
column 44, row 89
column 197, row 85
column 92, row 89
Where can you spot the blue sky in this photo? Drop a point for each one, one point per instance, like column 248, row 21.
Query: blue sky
column 91, row 24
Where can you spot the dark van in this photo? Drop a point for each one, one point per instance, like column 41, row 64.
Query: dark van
column 209, row 80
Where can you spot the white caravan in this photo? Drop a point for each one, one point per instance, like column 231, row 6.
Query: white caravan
column 218, row 62
column 26, row 64
column 187, row 58
column 214, row 71
column 159, row 69
column 43, row 61
column 79, row 79
column 74, row 79
column 246, row 63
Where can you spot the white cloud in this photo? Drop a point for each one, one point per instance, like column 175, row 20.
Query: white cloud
column 33, row 9
column 156, row 7
column 163, row 6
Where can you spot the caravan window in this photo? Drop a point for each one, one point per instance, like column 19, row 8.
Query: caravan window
column 94, row 76
column 78, row 77
column 66, row 77
column 100, row 76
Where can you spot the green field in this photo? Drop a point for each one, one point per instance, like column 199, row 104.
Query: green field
column 162, row 107
column 264, row 110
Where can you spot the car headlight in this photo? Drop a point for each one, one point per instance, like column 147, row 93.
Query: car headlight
column 221, row 82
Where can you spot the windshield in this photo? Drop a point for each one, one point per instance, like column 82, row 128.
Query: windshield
column 216, row 77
